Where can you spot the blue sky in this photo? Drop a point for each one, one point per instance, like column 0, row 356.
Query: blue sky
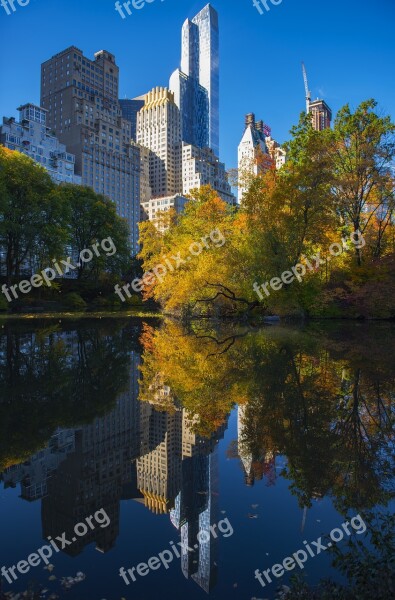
column 347, row 45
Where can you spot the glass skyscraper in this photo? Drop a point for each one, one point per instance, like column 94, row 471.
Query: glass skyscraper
column 129, row 109
column 196, row 84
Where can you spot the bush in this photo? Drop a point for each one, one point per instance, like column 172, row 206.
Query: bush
column 74, row 301
column 114, row 300
column 101, row 302
column 3, row 303
column 135, row 300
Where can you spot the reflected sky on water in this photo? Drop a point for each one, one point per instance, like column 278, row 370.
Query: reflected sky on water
column 263, row 437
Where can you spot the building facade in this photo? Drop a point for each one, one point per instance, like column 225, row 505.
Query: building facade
column 151, row 209
column 33, row 474
column 98, row 473
column 196, row 84
column 192, row 100
column 258, row 152
column 31, row 136
column 321, row 115
column 253, row 154
column 145, row 188
column 277, row 153
column 129, row 109
column 81, row 97
column 159, row 130
column 174, row 167
column 201, row 167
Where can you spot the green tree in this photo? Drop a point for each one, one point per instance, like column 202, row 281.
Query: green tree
column 364, row 150
column 92, row 219
column 32, row 223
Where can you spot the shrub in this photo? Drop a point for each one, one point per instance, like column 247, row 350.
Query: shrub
column 135, row 300
column 101, row 302
column 3, row 303
column 74, row 301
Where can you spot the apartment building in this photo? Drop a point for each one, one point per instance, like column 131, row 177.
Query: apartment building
column 81, row 99
column 151, row 209
column 31, row 136
column 258, row 152
column 130, row 107
column 200, row 166
column 159, row 130
column 321, row 115
column 196, row 83
column 277, row 153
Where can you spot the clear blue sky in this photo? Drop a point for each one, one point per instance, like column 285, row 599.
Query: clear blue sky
column 348, row 47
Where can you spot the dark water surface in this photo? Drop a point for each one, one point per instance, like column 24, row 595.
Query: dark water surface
column 223, row 450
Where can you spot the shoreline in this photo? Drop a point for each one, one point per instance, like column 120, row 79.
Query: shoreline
column 81, row 315
column 149, row 314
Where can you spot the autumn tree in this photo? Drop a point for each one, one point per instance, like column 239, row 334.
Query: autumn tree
column 364, row 150
column 190, row 258
column 334, row 184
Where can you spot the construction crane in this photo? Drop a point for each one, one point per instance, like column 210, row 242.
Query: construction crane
column 306, row 86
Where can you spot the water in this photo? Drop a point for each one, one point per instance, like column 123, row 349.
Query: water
column 222, row 451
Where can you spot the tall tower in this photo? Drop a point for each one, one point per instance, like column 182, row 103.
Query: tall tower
column 81, row 99
column 253, row 153
column 159, row 129
column 130, row 108
column 321, row 115
column 196, row 85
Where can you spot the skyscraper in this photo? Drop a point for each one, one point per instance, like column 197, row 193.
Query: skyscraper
column 158, row 129
column 258, row 152
column 196, row 84
column 81, row 97
column 253, row 153
column 192, row 100
column 97, row 472
column 130, row 108
column 321, row 115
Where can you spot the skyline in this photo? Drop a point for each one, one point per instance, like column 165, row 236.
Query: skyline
column 277, row 99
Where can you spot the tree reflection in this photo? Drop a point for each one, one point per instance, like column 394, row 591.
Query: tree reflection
column 315, row 396
column 57, row 376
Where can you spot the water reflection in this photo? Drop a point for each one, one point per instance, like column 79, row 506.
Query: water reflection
column 133, row 451
column 95, row 413
column 324, row 399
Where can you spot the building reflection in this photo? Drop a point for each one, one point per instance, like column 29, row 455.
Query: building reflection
column 254, row 467
column 137, row 451
column 34, row 473
column 177, row 473
column 97, row 474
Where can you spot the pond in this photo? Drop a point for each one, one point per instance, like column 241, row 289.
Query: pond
column 140, row 459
